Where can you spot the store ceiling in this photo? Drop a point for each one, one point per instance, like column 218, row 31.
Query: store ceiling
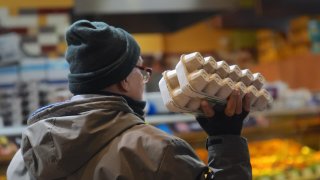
column 141, row 16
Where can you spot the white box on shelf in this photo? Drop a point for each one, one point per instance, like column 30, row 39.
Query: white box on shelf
column 155, row 103
column 9, row 76
column 57, row 73
column 10, row 47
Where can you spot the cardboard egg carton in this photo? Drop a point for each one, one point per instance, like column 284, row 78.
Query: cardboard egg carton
column 196, row 78
column 174, row 99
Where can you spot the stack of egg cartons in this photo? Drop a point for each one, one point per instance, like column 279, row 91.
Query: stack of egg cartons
column 196, row 78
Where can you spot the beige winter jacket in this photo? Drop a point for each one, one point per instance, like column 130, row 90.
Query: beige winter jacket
column 100, row 138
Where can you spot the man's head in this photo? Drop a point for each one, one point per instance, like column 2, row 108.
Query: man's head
column 99, row 56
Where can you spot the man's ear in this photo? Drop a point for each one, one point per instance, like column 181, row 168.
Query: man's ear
column 124, row 85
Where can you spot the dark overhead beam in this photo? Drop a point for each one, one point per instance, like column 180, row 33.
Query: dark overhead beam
column 140, row 16
column 146, row 16
column 248, row 19
column 278, row 8
column 151, row 6
column 151, row 22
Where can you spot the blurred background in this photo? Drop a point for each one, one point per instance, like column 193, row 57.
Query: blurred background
column 278, row 38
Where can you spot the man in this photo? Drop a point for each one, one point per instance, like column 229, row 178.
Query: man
column 101, row 134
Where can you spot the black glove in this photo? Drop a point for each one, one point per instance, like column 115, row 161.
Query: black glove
column 221, row 124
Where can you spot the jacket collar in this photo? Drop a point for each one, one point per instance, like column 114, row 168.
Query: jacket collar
column 135, row 105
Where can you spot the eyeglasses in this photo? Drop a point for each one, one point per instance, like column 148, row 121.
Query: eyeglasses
column 146, row 72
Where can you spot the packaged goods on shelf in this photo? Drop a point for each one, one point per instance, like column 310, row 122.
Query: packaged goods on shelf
column 195, row 78
column 286, row 98
column 154, row 103
column 314, row 33
column 57, row 71
column 10, row 102
column 56, row 88
column 9, row 77
column 266, row 45
column 10, row 47
column 32, row 83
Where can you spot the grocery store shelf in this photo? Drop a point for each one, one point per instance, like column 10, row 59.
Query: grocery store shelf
column 156, row 119
column 169, row 118
column 11, row 131
column 10, row 63
column 289, row 112
column 173, row 118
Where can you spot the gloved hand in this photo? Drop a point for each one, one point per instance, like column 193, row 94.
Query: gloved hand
column 227, row 120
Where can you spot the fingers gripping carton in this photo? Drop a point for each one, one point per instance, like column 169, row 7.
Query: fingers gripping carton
column 196, row 78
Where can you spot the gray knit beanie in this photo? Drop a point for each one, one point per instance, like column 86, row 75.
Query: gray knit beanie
column 99, row 55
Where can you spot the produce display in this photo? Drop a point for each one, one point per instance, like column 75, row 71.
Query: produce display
column 280, row 159
column 284, row 159
column 7, row 148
